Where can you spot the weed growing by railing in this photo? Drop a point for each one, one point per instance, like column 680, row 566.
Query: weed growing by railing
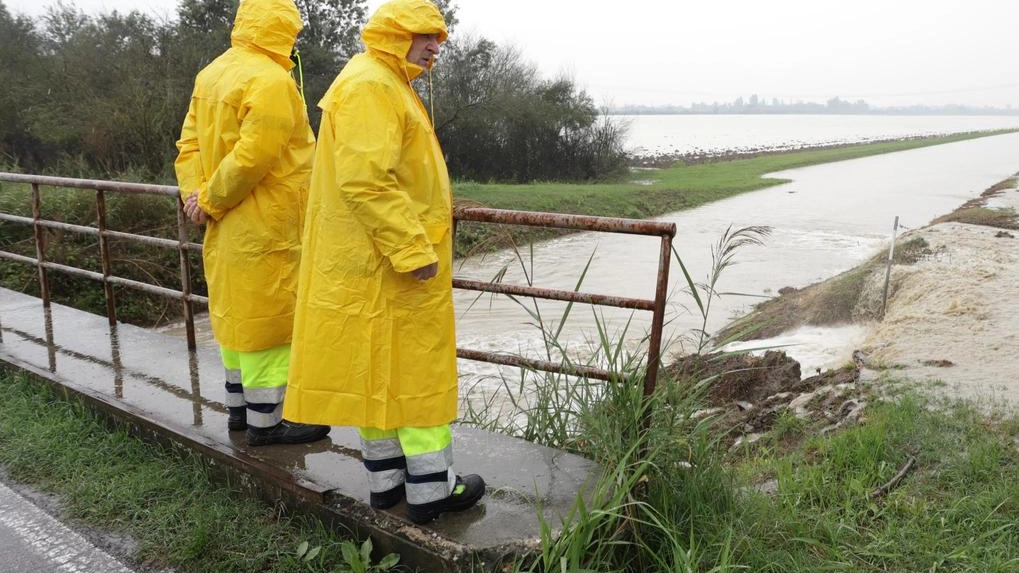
column 723, row 255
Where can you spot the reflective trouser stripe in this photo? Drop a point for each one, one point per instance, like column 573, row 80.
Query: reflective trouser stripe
column 234, row 390
column 430, row 477
column 264, row 415
column 383, row 458
column 265, row 406
column 427, row 454
column 263, row 380
column 264, row 395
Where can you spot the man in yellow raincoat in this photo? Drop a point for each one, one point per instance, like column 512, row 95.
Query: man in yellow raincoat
column 244, row 167
column 374, row 345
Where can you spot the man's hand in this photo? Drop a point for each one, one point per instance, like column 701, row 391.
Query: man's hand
column 426, row 272
column 193, row 211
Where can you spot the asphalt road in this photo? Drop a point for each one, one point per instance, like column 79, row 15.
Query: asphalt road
column 31, row 541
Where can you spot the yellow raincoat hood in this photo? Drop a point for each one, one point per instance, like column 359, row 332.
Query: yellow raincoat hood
column 270, row 26
column 392, row 27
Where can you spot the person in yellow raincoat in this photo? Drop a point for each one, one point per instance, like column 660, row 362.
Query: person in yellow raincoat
column 243, row 168
column 374, row 344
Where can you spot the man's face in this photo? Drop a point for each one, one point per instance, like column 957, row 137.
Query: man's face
column 423, row 49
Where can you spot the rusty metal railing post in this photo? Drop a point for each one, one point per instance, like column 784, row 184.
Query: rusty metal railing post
column 658, row 317
column 51, row 344
column 104, row 256
column 40, row 246
column 185, row 276
column 654, row 351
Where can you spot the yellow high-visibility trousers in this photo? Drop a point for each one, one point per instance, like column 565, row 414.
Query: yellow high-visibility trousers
column 257, row 381
column 421, row 458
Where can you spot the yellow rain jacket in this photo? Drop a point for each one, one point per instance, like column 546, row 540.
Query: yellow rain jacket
column 373, row 346
column 246, row 147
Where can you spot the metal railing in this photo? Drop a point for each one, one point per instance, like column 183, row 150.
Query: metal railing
column 665, row 231
column 102, row 231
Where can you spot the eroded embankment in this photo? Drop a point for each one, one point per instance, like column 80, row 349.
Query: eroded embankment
column 952, row 312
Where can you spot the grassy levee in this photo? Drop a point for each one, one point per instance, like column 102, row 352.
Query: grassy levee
column 648, row 193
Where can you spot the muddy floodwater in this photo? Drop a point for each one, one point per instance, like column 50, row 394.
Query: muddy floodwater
column 720, row 134
column 828, row 219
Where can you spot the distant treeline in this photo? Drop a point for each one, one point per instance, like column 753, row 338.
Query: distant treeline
column 835, row 105
column 105, row 95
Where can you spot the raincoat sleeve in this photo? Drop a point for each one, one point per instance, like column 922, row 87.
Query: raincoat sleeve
column 188, row 165
column 267, row 121
column 369, row 127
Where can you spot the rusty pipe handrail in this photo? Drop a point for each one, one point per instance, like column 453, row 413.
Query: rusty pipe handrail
column 90, row 184
column 565, row 221
column 85, row 230
column 99, row 277
column 106, row 277
column 533, row 364
column 553, row 294
column 666, row 231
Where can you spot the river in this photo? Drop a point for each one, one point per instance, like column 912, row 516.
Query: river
column 713, row 134
column 828, row 219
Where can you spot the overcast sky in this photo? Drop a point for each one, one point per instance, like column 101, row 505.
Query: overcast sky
column 887, row 52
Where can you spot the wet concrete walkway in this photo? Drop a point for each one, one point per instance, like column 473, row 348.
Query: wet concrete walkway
column 152, row 383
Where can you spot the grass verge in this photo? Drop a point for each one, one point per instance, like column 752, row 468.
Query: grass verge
column 166, row 501
column 957, row 508
column 795, row 501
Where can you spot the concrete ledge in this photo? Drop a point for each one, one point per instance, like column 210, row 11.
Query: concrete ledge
column 152, row 384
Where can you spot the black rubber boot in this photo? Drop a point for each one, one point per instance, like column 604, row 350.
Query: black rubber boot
column 388, row 498
column 467, row 491
column 286, row 433
column 238, row 419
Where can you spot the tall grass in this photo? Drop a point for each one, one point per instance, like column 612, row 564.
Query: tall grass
column 660, row 478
